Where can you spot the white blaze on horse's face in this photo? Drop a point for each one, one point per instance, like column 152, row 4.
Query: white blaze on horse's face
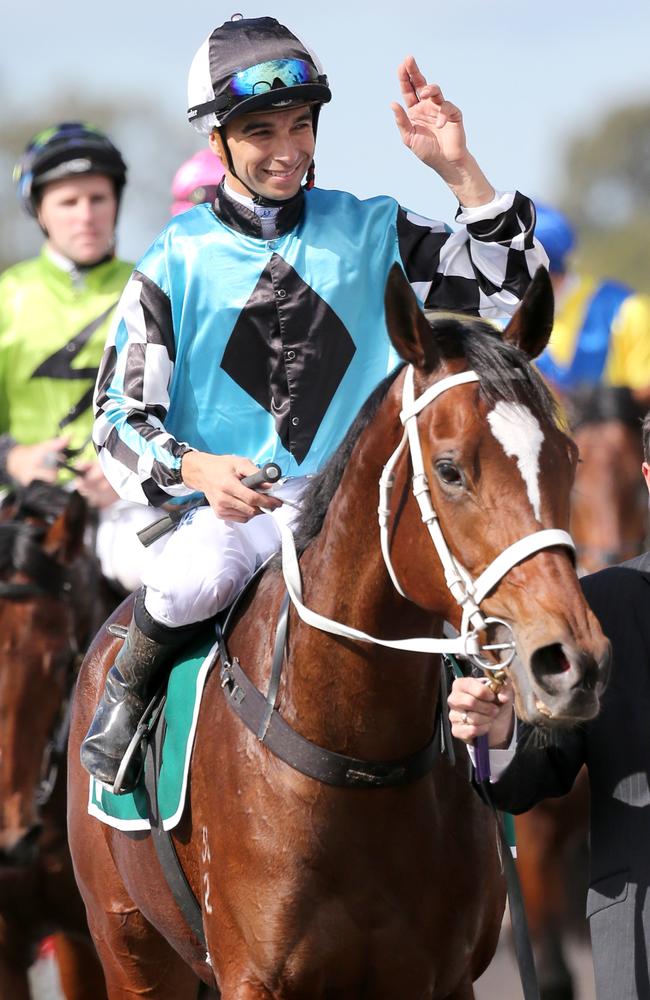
column 519, row 434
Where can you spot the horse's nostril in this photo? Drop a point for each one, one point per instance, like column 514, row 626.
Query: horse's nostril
column 549, row 661
column 565, row 675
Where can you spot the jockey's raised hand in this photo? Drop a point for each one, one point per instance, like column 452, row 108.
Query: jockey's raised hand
column 432, row 128
column 219, row 477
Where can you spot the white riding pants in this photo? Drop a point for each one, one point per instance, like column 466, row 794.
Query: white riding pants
column 206, row 562
column 120, row 553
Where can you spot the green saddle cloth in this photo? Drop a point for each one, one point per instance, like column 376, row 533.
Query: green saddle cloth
column 181, row 712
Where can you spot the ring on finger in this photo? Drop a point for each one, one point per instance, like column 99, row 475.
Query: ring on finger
column 465, row 719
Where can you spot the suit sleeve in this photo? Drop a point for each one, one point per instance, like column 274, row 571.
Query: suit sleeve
column 140, row 459
column 544, row 766
column 483, row 268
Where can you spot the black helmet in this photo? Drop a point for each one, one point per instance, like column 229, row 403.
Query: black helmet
column 66, row 150
column 250, row 64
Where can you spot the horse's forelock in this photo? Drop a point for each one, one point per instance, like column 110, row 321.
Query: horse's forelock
column 504, row 371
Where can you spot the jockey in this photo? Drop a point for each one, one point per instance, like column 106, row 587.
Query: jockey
column 253, row 329
column 196, row 181
column 55, row 312
column 601, row 334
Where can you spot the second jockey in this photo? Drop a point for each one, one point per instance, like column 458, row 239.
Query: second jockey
column 55, row 312
column 601, row 333
column 253, row 329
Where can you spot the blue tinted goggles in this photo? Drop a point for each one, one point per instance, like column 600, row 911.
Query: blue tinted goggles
column 272, row 75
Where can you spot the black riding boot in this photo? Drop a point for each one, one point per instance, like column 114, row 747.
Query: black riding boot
column 148, row 648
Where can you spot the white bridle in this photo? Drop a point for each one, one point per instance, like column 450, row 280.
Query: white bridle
column 468, row 593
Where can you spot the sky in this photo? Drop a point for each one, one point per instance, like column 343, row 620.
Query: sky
column 527, row 76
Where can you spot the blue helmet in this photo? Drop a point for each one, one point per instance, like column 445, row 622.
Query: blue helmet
column 556, row 234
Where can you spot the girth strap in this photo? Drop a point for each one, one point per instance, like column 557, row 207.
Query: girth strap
column 168, row 860
column 310, row 759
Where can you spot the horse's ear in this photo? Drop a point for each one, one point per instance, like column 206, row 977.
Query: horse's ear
column 408, row 328
column 65, row 537
column 530, row 327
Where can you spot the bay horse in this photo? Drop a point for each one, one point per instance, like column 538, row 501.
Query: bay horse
column 609, row 524
column 50, row 596
column 310, row 890
column 609, row 516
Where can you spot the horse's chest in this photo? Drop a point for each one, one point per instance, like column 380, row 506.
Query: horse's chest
column 351, row 908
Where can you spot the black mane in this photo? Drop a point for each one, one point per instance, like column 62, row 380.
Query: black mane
column 318, row 494
column 504, row 371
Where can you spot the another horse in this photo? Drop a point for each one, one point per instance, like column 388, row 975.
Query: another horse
column 309, row 890
column 609, row 523
column 50, row 595
column 609, row 516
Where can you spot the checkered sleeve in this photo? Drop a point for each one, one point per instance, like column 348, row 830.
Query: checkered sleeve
column 140, row 459
column 483, row 268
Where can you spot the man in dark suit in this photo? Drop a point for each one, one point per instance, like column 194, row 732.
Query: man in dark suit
column 615, row 748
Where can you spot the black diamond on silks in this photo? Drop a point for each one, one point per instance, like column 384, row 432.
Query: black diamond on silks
column 289, row 351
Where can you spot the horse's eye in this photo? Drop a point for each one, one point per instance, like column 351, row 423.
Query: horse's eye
column 449, row 474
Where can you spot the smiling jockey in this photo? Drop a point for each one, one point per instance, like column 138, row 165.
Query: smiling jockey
column 255, row 327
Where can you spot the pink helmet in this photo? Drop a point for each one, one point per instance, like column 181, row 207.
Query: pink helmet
column 196, row 181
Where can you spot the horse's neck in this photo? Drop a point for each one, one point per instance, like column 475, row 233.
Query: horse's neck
column 360, row 698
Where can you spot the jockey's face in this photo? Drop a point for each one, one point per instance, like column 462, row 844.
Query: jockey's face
column 271, row 151
column 78, row 215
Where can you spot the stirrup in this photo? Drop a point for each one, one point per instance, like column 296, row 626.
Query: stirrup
column 139, row 742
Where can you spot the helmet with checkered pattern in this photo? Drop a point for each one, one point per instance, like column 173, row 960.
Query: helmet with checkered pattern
column 251, row 64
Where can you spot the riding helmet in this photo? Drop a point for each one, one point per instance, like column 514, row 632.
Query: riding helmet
column 68, row 149
column 250, row 64
column 556, row 234
column 196, row 181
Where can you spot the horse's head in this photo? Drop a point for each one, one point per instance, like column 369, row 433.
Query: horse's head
column 609, row 508
column 499, row 470
column 43, row 588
